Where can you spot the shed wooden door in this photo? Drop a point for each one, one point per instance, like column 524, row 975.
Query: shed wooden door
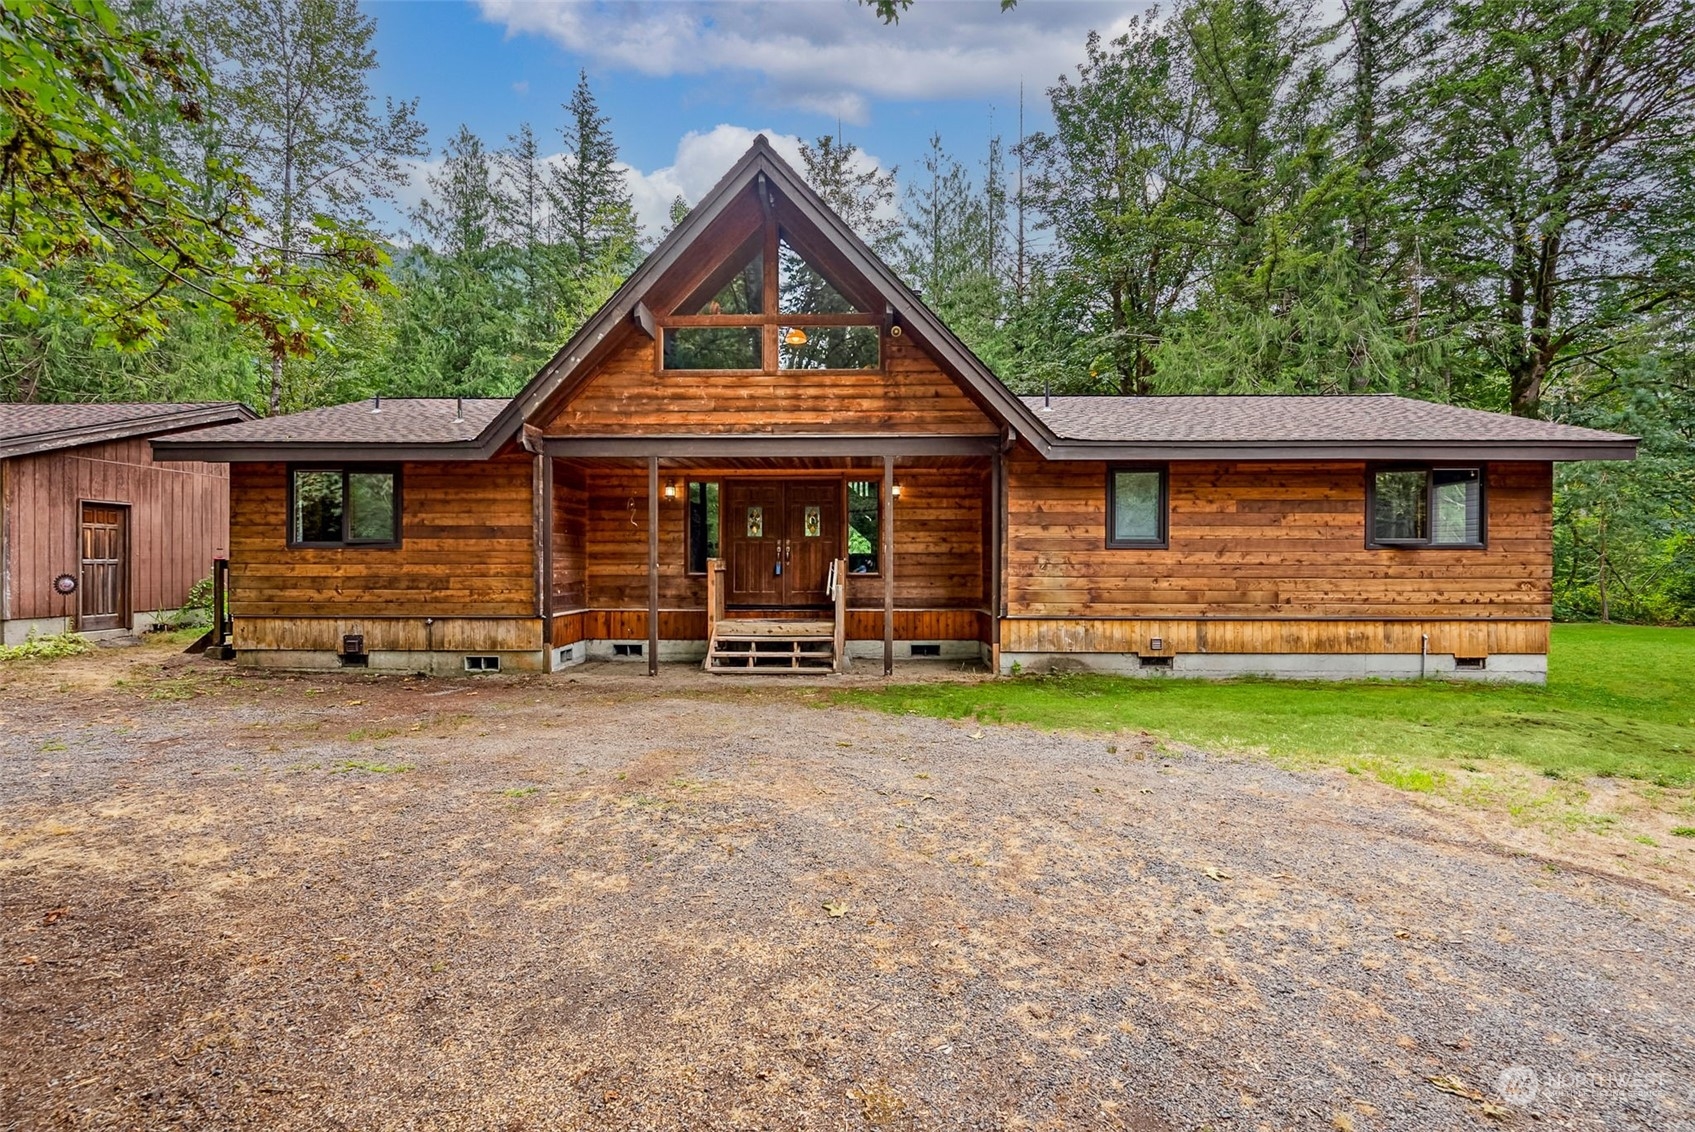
column 103, row 588
column 781, row 538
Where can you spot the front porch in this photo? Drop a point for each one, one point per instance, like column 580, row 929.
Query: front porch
column 770, row 562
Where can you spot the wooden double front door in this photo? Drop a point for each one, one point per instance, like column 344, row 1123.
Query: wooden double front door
column 780, row 537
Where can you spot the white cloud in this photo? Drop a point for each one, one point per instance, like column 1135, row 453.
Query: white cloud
column 698, row 163
column 521, row 87
column 829, row 56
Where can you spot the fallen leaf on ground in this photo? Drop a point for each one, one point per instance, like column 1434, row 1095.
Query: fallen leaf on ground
column 1448, row 1083
column 54, row 915
column 1494, row 1111
column 975, row 735
column 836, row 909
column 1216, row 873
column 28, row 960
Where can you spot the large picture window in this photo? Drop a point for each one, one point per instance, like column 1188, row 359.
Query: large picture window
column 344, row 507
column 1136, row 505
column 1425, row 506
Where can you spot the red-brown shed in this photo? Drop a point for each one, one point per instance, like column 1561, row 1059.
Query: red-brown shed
column 94, row 533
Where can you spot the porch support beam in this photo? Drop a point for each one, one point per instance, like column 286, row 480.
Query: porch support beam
column 888, row 565
column 653, row 565
column 789, row 445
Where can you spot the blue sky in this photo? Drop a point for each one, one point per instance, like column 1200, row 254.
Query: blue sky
column 688, row 82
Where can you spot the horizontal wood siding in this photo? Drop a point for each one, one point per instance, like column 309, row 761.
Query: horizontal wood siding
column 467, row 549
column 939, row 563
column 391, row 634
column 1220, row 635
column 1268, row 558
column 570, row 534
column 178, row 523
column 631, row 396
column 1257, row 540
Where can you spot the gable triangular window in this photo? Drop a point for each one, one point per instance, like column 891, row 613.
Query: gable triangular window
column 803, row 289
column 731, row 289
column 771, row 306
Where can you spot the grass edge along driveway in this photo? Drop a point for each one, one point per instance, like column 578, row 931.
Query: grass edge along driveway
column 1619, row 703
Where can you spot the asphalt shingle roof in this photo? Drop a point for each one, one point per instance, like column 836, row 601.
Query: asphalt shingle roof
column 28, row 428
column 402, row 420
column 1274, row 419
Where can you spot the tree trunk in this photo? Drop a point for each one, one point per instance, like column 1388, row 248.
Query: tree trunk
column 276, row 384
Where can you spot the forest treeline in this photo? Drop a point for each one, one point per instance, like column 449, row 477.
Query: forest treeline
column 1490, row 203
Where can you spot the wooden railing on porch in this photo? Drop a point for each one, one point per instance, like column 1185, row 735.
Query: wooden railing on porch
column 714, row 597
column 837, row 589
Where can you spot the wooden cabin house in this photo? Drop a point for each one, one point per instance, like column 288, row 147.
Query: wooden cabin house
column 766, row 452
column 95, row 534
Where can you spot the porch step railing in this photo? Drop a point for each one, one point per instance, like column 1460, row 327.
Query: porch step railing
column 738, row 644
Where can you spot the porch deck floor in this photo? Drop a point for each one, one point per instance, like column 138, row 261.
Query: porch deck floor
column 749, row 628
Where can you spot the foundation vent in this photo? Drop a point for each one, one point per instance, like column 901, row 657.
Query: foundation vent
column 482, row 664
column 1471, row 663
column 628, row 649
column 1155, row 661
column 926, row 650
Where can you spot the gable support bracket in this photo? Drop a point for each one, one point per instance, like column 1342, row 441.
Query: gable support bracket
column 643, row 319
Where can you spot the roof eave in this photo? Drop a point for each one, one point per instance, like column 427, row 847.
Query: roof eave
column 276, row 452
column 1622, row 449
column 60, row 439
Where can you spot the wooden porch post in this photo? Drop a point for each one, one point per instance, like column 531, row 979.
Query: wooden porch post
column 997, row 559
column 653, row 565
column 888, row 565
column 544, row 555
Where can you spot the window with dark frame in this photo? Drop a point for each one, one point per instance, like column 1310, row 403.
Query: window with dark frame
column 353, row 506
column 1425, row 506
column 704, row 541
column 865, row 531
column 1136, row 507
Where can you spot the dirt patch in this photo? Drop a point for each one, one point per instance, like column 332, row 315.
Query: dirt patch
column 537, row 903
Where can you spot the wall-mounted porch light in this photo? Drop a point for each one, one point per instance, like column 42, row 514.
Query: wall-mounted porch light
column 895, row 491
column 671, row 489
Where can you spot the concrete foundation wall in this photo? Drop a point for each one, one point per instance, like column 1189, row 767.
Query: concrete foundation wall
column 1505, row 667
column 950, row 650
column 406, row 663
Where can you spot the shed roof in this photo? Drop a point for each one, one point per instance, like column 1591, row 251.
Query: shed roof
column 26, row 429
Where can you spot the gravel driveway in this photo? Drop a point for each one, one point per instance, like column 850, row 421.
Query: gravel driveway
column 591, row 902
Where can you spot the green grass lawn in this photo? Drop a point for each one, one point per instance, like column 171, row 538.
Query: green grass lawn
column 1619, row 702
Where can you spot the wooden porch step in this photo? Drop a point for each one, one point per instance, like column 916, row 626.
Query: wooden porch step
column 747, row 629
column 789, row 641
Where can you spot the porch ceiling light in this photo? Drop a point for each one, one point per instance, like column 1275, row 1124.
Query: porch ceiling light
column 795, row 337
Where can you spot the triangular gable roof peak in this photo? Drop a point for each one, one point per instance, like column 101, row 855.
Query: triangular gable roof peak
column 762, row 161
